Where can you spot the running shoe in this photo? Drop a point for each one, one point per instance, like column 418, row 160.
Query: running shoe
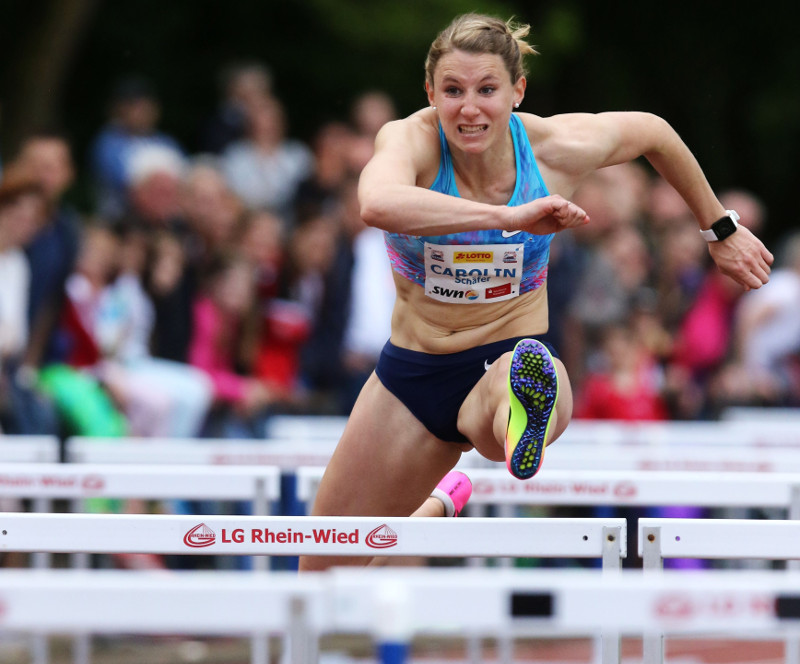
column 532, row 391
column 454, row 491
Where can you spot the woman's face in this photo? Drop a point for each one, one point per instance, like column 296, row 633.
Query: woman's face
column 474, row 97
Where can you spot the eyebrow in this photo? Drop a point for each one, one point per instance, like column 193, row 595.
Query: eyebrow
column 448, row 78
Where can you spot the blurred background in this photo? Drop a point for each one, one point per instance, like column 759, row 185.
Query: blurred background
column 199, row 262
column 724, row 77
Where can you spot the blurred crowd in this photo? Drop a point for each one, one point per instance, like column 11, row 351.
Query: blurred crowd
column 209, row 289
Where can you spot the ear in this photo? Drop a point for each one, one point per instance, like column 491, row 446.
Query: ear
column 429, row 91
column 519, row 89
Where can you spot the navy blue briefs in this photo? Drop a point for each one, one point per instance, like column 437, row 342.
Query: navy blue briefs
column 433, row 387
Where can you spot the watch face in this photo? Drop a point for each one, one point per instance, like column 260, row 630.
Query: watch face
column 723, row 228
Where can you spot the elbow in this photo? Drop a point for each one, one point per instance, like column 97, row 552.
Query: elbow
column 373, row 213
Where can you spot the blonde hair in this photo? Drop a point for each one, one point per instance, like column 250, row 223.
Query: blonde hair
column 478, row 33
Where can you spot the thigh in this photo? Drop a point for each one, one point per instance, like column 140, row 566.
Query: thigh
column 386, row 463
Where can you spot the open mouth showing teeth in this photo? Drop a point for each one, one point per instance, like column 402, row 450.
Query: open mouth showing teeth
column 472, row 130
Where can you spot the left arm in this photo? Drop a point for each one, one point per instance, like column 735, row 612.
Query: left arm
column 574, row 145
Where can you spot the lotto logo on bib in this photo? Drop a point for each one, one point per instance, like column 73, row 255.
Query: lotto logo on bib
column 473, row 257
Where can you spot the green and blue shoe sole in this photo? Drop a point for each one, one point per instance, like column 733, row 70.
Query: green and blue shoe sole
column 533, row 391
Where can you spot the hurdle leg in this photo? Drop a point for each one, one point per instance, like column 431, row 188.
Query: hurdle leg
column 259, row 643
column 611, row 650
column 40, row 646
column 82, row 642
column 259, row 649
column 652, row 644
column 474, row 644
column 505, row 649
column 474, row 649
column 261, row 507
column 793, row 641
column 40, row 649
column 301, row 644
column 392, row 623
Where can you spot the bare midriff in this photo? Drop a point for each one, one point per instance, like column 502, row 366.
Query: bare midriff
column 422, row 324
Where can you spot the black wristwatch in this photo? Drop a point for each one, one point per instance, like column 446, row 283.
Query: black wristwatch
column 722, row 228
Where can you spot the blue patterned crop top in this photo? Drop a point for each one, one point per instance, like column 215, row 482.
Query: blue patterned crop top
column 478, row 266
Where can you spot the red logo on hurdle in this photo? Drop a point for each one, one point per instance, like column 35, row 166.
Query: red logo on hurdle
column 199, row 536
column 625, row 490
column 675, row 607
column 93, row 483
column 382, row 537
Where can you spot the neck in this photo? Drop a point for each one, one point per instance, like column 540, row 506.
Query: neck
column 490, row 175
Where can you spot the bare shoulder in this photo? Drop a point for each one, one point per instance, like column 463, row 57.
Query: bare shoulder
column 417, row 131
column 414, row 138
column 553, row 135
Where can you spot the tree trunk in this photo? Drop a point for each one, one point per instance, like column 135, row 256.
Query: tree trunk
column 42, row 67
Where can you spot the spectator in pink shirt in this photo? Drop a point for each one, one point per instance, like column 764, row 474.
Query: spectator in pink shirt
column 221, row 343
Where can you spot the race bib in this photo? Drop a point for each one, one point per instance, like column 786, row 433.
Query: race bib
column 472, row 274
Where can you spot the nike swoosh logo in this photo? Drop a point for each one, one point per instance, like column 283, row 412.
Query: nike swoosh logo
column 510, row 233
column 486, row 365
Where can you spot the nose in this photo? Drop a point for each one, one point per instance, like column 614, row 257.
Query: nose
column 469, row 108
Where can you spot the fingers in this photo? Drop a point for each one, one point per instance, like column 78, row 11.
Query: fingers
column 750, row 274
column 567, row 213
column 761, row 273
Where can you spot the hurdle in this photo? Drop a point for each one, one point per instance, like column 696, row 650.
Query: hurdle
column 702, row 457
column 28, row 449
column 770, row 427
column 44, row 482
column 423, row 602
column 306, row 427
column 715, row 539
column 56, row 480
column 285, row 454
column 605, row 539
column 335, row 536
column 765, row 432
column 619, row 488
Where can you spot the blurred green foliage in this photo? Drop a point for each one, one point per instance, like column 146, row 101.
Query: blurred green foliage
column 724, row 77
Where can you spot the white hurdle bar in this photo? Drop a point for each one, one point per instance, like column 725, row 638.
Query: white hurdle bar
column 564, row 455
column 761, row 432
column 28, row 449
column 618, row 488
column 56, row 480
column 733, row 539
column 335, row 536
column 285, row 454
column 760, row 428
column 717, row 539
column 444, row 602
column 290, row 454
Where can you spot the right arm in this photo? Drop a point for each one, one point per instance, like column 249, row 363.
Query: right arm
column 392, row 200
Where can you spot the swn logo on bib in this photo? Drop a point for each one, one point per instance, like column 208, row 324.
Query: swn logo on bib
column 382, row 537
column 199, row 536
column 455, row 294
